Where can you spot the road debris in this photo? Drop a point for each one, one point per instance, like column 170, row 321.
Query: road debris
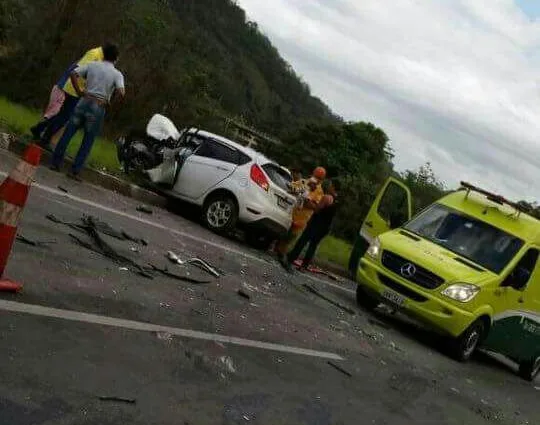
column 118, row 399
column 227, row 363
column 393, row 346
column 205, row 266
column 100, row 226
column 243, row 294
column 145, row 209
column 314, row 291
column 173, row 258
column 339, row 368
column 167, row 273
column 103, row 248
column 33, row 242
column 123, row 269
column 63, row 189
column 164, row 336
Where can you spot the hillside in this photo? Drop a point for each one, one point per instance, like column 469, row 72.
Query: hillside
column 193, row 60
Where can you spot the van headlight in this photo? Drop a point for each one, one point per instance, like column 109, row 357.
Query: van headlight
column 374, row 248
column 462, row 292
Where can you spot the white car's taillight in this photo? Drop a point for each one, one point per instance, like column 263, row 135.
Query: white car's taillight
column 258, row 177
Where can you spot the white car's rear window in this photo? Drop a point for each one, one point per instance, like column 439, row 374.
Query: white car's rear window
column 278, row 176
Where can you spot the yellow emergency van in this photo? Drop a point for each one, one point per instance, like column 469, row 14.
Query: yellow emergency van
column 467, row 266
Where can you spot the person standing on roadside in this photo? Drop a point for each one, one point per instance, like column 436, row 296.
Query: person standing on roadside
column 303, row 211
column 65, row 100
column 103, row 81
column 317, row 228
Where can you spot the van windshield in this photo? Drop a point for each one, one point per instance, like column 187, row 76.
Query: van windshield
column 468, row 237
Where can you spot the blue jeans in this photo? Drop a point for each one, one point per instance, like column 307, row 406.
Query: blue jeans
column 88, row 115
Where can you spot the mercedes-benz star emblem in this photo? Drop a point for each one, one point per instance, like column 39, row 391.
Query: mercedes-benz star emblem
column 408, row 270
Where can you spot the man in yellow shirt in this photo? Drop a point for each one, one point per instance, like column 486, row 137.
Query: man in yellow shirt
column 71, row 98
column 303, row 212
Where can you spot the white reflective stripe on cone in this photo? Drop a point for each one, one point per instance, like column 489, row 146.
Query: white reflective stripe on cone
column 23, row 173
column 9, row 214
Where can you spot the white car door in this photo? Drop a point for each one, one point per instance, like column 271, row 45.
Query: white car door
column 210, row 164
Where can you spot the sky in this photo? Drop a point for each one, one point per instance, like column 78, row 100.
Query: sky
column 452, row 82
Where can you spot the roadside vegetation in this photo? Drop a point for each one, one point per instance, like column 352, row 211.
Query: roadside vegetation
column 200, row 63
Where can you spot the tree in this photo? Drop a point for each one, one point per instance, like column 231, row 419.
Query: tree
column 426, row 188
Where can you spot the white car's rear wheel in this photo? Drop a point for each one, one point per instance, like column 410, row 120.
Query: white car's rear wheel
column 220, row 213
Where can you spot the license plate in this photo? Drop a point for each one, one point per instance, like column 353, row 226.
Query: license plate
column 394, row 298
column 283, row 203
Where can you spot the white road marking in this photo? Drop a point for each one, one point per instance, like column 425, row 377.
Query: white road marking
column 76, row 316
column 203, row 241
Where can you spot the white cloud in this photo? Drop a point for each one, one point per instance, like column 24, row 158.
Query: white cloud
column 453, row 82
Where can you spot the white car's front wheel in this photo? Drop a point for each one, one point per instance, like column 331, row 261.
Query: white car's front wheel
column 220, row 213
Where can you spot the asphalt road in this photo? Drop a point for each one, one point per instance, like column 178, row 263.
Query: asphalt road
column 181, row 353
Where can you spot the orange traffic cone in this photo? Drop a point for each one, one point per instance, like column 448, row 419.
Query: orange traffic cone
column 13, row 194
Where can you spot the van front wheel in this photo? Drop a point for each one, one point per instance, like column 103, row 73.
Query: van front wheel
column 530, row 370
column 464, row 346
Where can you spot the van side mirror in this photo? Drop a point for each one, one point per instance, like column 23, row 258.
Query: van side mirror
column 397, row 219
column 518, row 279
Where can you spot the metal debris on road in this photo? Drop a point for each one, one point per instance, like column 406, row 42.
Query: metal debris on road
column 100, row 226
column 205, row 266
column 118, row 399
column 33, row 242
column 314, row 291
column 393, row 346
column 106, row 250
column 243, row 294
column 175, row 276
column 174, row 258
column 145, row 209
column 227, row 363
column 165, row 336
column 339, row 368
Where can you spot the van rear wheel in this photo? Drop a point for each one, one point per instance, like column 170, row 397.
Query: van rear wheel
column 464, row 346
column 530, row 370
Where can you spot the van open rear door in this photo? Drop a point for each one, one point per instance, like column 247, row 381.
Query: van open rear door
column 392, row 208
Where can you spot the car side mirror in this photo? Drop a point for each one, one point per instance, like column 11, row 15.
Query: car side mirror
column 518, row 279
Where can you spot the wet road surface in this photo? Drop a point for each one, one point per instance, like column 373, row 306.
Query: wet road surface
column 201, row 353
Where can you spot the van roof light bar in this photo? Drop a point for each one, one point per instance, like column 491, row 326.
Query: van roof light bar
column 498, row 199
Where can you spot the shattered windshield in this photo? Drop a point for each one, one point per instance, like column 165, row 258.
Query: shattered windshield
column 473, row 239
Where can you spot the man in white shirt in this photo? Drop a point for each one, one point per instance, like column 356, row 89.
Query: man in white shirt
column 103, row 81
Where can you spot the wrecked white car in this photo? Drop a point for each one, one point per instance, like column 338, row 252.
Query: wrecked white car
column 233, row 185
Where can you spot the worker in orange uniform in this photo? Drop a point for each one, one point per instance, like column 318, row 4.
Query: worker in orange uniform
column 310, row 195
